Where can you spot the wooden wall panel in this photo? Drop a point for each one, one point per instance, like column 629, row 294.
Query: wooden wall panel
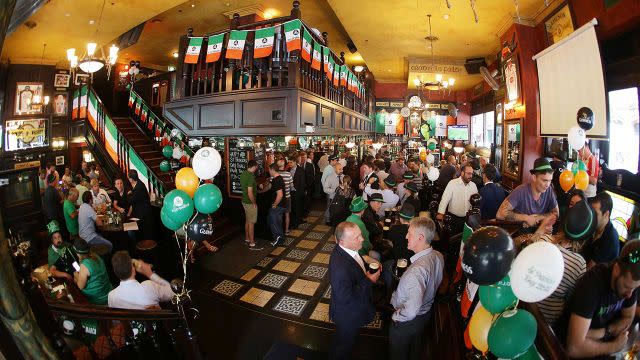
column 264, row 113
column 216, row 116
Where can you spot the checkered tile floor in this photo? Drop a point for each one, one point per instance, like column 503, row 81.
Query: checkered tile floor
column 293, row 280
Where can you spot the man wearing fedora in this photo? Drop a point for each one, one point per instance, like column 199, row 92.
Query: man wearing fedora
column 371, row 219
column 532, row 202
column 389, row 197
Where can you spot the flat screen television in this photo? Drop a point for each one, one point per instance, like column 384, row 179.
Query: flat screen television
column 458, row 132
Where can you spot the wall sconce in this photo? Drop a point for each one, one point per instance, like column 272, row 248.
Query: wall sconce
column 58, row 143
column 87, row 156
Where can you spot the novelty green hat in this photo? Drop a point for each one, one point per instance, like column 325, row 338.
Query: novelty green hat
column 357, row 204
column 53, row 227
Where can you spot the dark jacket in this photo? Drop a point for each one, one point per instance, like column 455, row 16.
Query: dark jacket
column 351, row 303
column 140, row 202
column 309, row 175
column 299, row 179
column 492, row 197
column 371, row 221
column 398, row 236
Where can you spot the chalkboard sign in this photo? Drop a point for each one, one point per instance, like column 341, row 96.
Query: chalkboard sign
column 259, row 156
column 236, row 160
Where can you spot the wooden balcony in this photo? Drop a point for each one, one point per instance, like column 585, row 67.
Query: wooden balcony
column 278, row 94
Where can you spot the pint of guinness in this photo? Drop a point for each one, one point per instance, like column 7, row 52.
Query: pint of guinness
column 401, row 266
column 373, row 267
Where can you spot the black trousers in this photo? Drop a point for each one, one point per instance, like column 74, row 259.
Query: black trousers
column 457, row 224
column 297, row 208
column 405, row 338
column 343, row 341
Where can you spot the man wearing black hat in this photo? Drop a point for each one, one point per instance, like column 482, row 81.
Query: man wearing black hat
column 530, row 203
column 411, row 196
column 390, row 198
column 370, row 217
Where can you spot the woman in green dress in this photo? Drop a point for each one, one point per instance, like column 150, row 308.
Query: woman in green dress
column 92, row 278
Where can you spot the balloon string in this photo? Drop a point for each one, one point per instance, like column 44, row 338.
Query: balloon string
column 185, row 259
column 175, row 233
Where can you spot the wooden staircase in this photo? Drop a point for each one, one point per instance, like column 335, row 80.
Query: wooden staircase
column 146, row 148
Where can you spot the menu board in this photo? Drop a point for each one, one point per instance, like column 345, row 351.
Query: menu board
column 236, row 159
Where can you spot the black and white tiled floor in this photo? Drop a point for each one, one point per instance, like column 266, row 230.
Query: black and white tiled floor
column 291, row 282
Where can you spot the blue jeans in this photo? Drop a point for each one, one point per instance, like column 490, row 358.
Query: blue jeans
column 99, row 240
column 275, row 222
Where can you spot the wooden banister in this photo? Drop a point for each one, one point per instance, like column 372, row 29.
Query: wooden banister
column 547, row 343
column 107, row 313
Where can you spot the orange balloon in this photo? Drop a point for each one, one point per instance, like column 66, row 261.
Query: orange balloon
column 566, row 180
column 581, row 180
column 423, row 156
column 187, row 181
column 479, row 328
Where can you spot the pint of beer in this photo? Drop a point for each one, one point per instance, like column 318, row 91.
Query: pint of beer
column 401, row 266
column 373, row 267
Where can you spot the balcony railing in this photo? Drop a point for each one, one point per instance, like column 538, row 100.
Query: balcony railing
column 279, row 70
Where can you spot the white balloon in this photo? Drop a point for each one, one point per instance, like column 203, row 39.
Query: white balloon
column 577, row 137
column 430, row 159
column 433, row 173
column 175, row 132
column 536, row 272
column 177, row 153
column 206, row 163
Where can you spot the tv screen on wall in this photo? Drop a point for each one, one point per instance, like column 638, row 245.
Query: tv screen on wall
column 458, row 132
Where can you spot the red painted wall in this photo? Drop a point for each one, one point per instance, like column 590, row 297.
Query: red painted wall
column 612, row 21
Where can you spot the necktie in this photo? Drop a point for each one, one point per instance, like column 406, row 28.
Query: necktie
column 360, row 262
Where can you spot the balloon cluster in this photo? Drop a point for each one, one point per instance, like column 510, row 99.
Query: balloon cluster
column 577, row 136
column 577, row 177
column 489, row 260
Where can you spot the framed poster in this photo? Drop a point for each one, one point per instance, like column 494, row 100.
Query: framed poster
column 60, row 104
column 26, row 134
column 81, row 79
column 60, row 160
column 61, row 80
column 511, row 72
column 26, row 92
column 558, row 25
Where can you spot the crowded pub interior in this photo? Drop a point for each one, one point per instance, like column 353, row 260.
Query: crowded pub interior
column 319, row 179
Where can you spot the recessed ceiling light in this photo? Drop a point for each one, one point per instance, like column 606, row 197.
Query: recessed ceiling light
column 389, row 70
column 175, row 54
column 67, row 14
column 445, row 16
column 91, row 22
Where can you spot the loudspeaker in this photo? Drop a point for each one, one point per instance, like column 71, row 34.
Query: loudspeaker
column 352, row 47
column 473, row 65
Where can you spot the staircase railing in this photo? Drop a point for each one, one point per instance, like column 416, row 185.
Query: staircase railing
column 98, row 120
column 157, row 127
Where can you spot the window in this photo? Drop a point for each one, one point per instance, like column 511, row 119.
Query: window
column 623, row 112
column 482, row 129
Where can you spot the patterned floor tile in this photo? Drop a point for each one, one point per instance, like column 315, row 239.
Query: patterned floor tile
column 307, row 244
column 295, row 232
column 304, row 287
column 315, row 235
column 289, row 240
column 376, row 323
column 257, row 297
column 327, row 293
column 277, row 251
column 286, row 266
column 304, row 226
column 314, row 271
column 321, row 258
column 321, row 313
column 227, row 287
column 250, row 274
column 328, row 247
column 298, row 254
column 291, row 305
column 322, row 228
column 265, row 261
column 273, row 280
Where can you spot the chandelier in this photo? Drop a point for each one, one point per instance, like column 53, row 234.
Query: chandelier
column 90, row 62
column 439, row 83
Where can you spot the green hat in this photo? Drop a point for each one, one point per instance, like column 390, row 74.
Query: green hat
column 407, row 175
column 407, row 212
column 390, row 181
column 357, row 204
column 541, row 166
column 53, row 227
column 412, row 187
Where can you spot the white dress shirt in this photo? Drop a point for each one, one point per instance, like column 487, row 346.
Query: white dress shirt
column 101, row 198
column 456, row 197
column 356, row 256
column 389, row 197
column 131, row 294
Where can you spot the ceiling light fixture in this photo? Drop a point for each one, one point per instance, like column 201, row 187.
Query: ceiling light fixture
column 358, row 68
column 439, row 83
column 175, row 54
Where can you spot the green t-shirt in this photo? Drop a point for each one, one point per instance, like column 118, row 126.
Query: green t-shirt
column 98, row 285
column 366, row 244
column 72, row 224
column 62, row 258
column 248, row 180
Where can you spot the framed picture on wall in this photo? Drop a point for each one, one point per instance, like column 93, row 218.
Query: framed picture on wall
column 559, row 24
column 26, row 94
column 511, row 72
column 61, row 80
column 81, row 79
column 60, row 104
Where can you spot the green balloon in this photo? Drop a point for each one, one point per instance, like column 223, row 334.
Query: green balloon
column 424, row 130
column 128, row 86
column 168, row 221
column 512, row 334
column 577, row 166
column 167, row 151
column 207, row 198
column 165, row 165
column 498, row 297
column 178, row 205
column 531, row 354
column 431, row 146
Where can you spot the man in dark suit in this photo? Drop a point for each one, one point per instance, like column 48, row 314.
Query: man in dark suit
column 141, row 206
column 492, row 194
column 309, row 180
column 351, row 305
column 297, row 196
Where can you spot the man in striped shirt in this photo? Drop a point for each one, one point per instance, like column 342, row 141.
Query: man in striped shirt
column 288, row 183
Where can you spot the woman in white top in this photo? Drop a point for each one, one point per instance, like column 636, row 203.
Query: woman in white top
column 100, row 196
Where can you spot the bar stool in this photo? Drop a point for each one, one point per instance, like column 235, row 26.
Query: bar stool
column 146, row 251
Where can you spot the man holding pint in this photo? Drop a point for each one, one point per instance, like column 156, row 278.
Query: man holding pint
column 414, row 296
column 351, row 281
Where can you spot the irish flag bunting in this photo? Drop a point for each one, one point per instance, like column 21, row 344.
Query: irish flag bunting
column 132, row 98
column 330, row 66
column 143, row 115
column 336, row 75
column 343, row 75
column 317, row 57
column 292, row 34
column 193, row 50
column 83, row 101
column 92, row 110
column 214, row 48
column 74, row 106
column 325, row 59
column 138, row 106
column 235, row 46
column 111, row 136
column 306, row 45
column 263, row 44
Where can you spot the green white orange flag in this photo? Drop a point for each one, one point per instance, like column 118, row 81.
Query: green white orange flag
column 317, row 56
column 263, row 44
column 235, row 46
column 143, row 114
column 138, row 106
column 330, row 65
column 306, row 45
column 325, row 59
column 193, row 50
column 336, row 75
column 343, row 75
column 214, row 48
column 292, row 34
column 132, row 98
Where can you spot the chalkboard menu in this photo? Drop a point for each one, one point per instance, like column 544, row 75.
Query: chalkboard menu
column 259, row 156
column 236, row 159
